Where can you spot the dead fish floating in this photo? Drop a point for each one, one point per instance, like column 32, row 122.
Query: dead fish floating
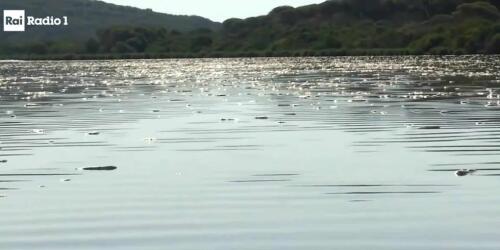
column 104, row 168
column 228, row 119
column 465, row 172
column 430, row 127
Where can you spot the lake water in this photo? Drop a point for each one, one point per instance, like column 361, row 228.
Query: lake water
column 307, row 153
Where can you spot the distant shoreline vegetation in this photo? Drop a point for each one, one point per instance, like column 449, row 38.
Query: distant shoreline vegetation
column 333, row 28
column 248, row 54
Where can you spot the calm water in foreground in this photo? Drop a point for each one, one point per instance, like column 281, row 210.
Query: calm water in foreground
column 309, row 154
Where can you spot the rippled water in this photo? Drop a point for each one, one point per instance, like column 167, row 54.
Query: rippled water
column 311, row 153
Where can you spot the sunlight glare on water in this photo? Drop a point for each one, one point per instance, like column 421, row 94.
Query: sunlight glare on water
column 280, row 153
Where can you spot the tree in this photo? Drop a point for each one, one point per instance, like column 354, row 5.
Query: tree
column 92, row 46
column 493, row 46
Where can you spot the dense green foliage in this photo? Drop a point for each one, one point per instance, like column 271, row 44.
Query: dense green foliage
column 86, row 17
column 337, row 27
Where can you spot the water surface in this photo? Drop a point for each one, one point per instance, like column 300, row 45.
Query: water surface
column 309, row 153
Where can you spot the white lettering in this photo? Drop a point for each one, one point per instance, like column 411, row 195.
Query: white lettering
column 14, row 20
column 47, row 21
column 31, row 20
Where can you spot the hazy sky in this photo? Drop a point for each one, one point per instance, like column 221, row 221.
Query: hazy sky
column 217, row 10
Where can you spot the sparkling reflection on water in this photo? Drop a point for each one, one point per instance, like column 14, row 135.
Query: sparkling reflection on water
column 310, row 153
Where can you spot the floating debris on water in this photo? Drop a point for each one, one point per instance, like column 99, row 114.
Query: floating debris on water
column 228, row 119
column 65, row 180
column 430, row 127
column 465, row 172
column 261, row 117
column 104, row 168
column 3, row 161
column 93, row 133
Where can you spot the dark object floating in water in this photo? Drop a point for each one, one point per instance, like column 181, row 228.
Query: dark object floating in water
column 465, row 172
column 227, row 119
column 156, row 111
column 261, row 117
column 430, row 127
column 3, row 161
column 93, row 133
column 105, row 168
column 290, row 114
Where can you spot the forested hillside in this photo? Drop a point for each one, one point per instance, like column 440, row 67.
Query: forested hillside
column 337, row 27
column 86, row 17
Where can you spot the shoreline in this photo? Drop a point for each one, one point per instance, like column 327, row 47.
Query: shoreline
column 202, row 55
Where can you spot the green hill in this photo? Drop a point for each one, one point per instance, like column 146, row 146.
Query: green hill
column 336, row 27
column 86, row 17
column 426, row 26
